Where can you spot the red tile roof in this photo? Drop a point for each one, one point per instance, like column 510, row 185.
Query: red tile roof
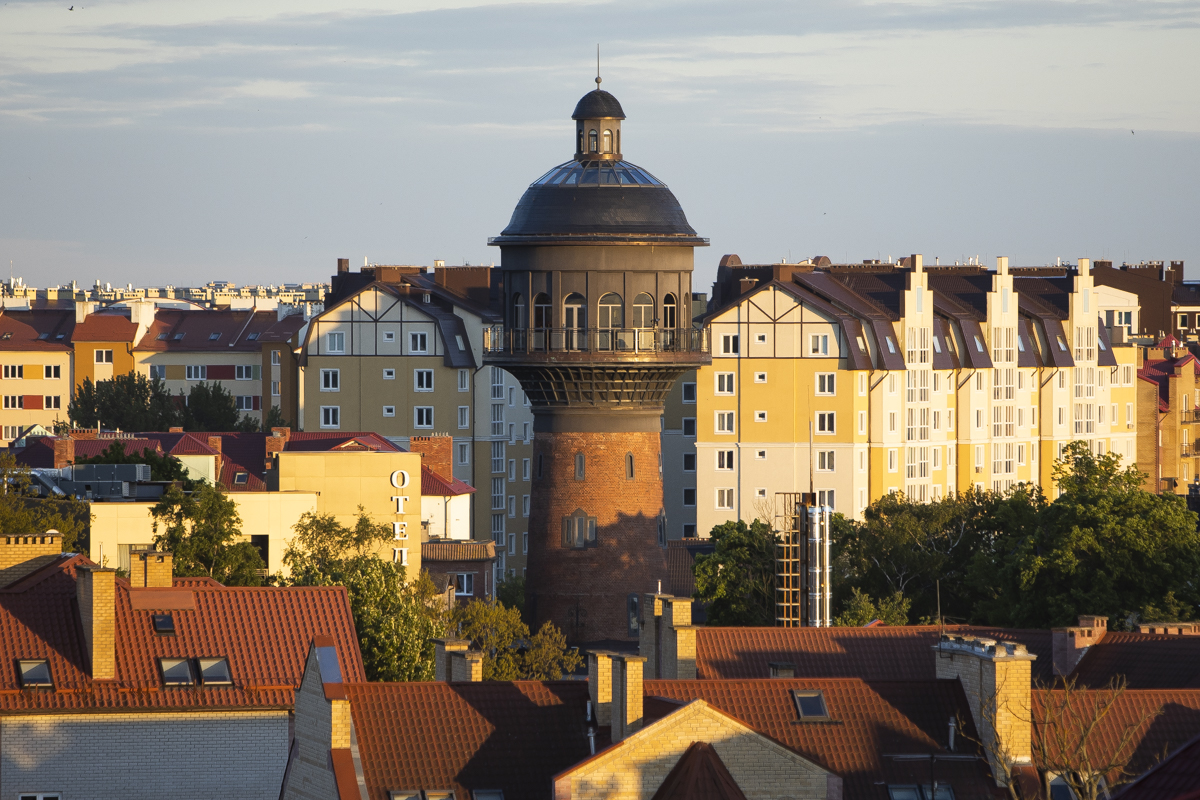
column 1160, row 372
column 264, row 632
column 458, row 551
column 870, row 722
column 1147, row 660
column 434, row 485
column 302, row 441
column 238, row 331
column 17, row 334
column 881, row 653
column 467, row 736
column 104, row 327
column 699, row 774
column 1176, row 778
column 90, row 448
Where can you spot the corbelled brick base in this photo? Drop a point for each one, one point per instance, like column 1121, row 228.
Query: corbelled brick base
column 585, row 591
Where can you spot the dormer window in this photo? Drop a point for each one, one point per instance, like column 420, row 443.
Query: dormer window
column 593, row 141
column 608, row 141
column 35, row 672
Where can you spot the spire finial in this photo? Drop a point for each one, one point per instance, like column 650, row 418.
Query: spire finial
column 598, row 66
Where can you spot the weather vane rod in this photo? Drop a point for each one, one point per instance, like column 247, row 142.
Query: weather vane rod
column 597, row 65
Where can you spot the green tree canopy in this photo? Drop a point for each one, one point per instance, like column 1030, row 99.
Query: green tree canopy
column 396, row 620
column 862, row 610
column 23, row 512
column 164, row 467
column 737, row 581
column 129, row 402
column 509, row 652
column 201, row 530
column 211, row 407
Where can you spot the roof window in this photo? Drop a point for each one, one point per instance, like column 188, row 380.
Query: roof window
column 241, row 478
column 891, row 344
column 1021, row 343
column 7, row 335
column 177, row 337
column 979, row 344
column 177, row 671
column 1062, row 344
column 937, row 346
column 810, row 704
column 250, row 337
column 920, row 793
column 164, row 624
column 59, row 336
column 212, row 337
column 214, row 671
column 162, row 337
column 35, row 672
column 43, row 336
column 487, row 794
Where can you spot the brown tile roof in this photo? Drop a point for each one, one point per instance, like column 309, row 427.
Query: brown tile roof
column 681, row 555
column 324, row 441
column 1176, row 778
column 871, row 720
column 458, row 551
column 882, row 653
column 1147, row 660
column 104, row 327
column 434, row 485
column 90, row 448
column 17, row 334
column 264, row 632
column 699, row 774
column 467, row 736
column 237, row 331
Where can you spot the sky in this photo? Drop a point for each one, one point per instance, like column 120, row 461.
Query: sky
column 158, row 142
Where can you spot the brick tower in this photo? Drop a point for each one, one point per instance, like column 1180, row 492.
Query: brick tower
column 597, row 270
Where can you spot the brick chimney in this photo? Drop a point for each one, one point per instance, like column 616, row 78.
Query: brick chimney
column 443, row 649
column 436, row 452
column 64, row 452
column 677, row 659
column 650, row 631
column 95, row 589
column 600, row 684
column 1069, row 644
column 175, row 429
column 151, row 568
column 275, row 444
column 19, row 549
column 215, row 443
column 626, row 696
column 466, row 665
column 997, row 680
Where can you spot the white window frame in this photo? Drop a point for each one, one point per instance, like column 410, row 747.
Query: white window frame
column 389, row 336
column 730, row 344
column 825, row 384
column 418, row 412
column 331, row 380
column 826, row 423
column 893, row 460
column 276, row 388
column 243, row 372
column 467, row 581
column 818, row 344
column 826, row 460
column 724, row 422
column 724, row 461
column 274, row 358
column 724, row 384
column 464, row 453
column 464, row 417
column 724, row 499
column 389, row 374
column 464, row 380
column 335, row 342
column 196, row 372
column 419, row 376
column 760, row 377
column 331, row 417
column 389, row 411
column 418, row 343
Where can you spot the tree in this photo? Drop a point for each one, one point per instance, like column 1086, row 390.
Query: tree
column 22, row 511
column 201, row 531
column 274, row 418
column 737, row 580
column 162, row 468
column 210, row 407
column 129, row 402
column 396, row 620
column 511, row 592
column 509, row 653
column 862, row 610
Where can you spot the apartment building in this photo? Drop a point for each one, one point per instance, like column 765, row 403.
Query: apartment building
column 250, row 353
column 35, row 376
column 1168, row 411
column 398, row 350
column 853, row 381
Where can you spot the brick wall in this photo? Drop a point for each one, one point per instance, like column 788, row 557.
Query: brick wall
column 19, row 549
column 482, row 570
column 437, row 453
column 764, row 770
column 584, row 591
column 96, row 589
column 211, row 755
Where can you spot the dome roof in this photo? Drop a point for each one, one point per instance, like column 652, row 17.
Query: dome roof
column 598, row 104
column 598, row 200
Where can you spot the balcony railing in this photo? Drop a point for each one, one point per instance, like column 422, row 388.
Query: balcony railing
column 621, row 341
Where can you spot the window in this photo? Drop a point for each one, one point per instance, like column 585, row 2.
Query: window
column 761, row 338
column 244, row 402
column 825, row 383
column 911, row 792
column 331, row 380
column 761, row 455
column 630, row 471
column 418, row 343
column 157, row 372
column 725, row 499
column 729, row 344
column 423, row 380
column 689, row 496
column 331, row 416
column 725, row 459
column 724, row 422
column 818, row 344
column 14, row 401
column 52, row 401
column 578, row 530
column 214, row 671
column 389, row 411
column 724, row 383
column 825, row 422
column 512, row 396
column 580, row 467
column 689, row 462
column 464, row 416
column 52, row 371
column 689, row 530
column 243, row 372
column 810, row 704
column 891, row 422
column 760, row 416
column 274, row 358
column 275, row 388
column 423, row 417
column 104, row 356
column 512, row 469
column 464, row 453
column 892, row 460
column 177, row 671
column 335, row 342
column 689, row 426
column 862, row 384
column 35, row 672
column 525, row 513
column 760, row 493
column 464, row 380
column 497, row 457
column 825, row 460
column 689, row 393
column 760, row 377
column 512, row 505
column 196, row 372
column 825, row 497
column 497, row 494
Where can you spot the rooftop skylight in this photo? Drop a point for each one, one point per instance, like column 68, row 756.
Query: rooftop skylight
column 164, row 624
column 35, row 672
column 810, row 704
column 177, row 671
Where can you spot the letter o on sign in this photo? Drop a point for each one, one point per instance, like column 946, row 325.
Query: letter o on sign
column 400, row 479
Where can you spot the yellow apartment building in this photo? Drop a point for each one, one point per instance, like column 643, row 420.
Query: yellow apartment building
column 853, row 381
column 35, row 375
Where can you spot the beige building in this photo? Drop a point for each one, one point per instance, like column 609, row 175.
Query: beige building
column 35, row 375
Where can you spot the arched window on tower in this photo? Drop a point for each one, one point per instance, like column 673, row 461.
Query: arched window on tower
column 593, row 141
column 580, row 132
column 670, row 321
column 519, row 322
column 607, row 141
column 629, row 466
column 574, row 321
column 618, row 140
column 612, row 319
column 643, row 320
column 541, row 320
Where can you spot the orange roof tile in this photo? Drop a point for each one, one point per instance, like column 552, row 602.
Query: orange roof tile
column 458, row 551
column 434, row 485
column 1147, row 660
column 264, row 632
column 190, row 330
column 33, row 331
column 1177, row 777
column 104, row 327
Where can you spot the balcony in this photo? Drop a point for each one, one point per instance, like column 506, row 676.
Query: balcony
column 672, row 344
